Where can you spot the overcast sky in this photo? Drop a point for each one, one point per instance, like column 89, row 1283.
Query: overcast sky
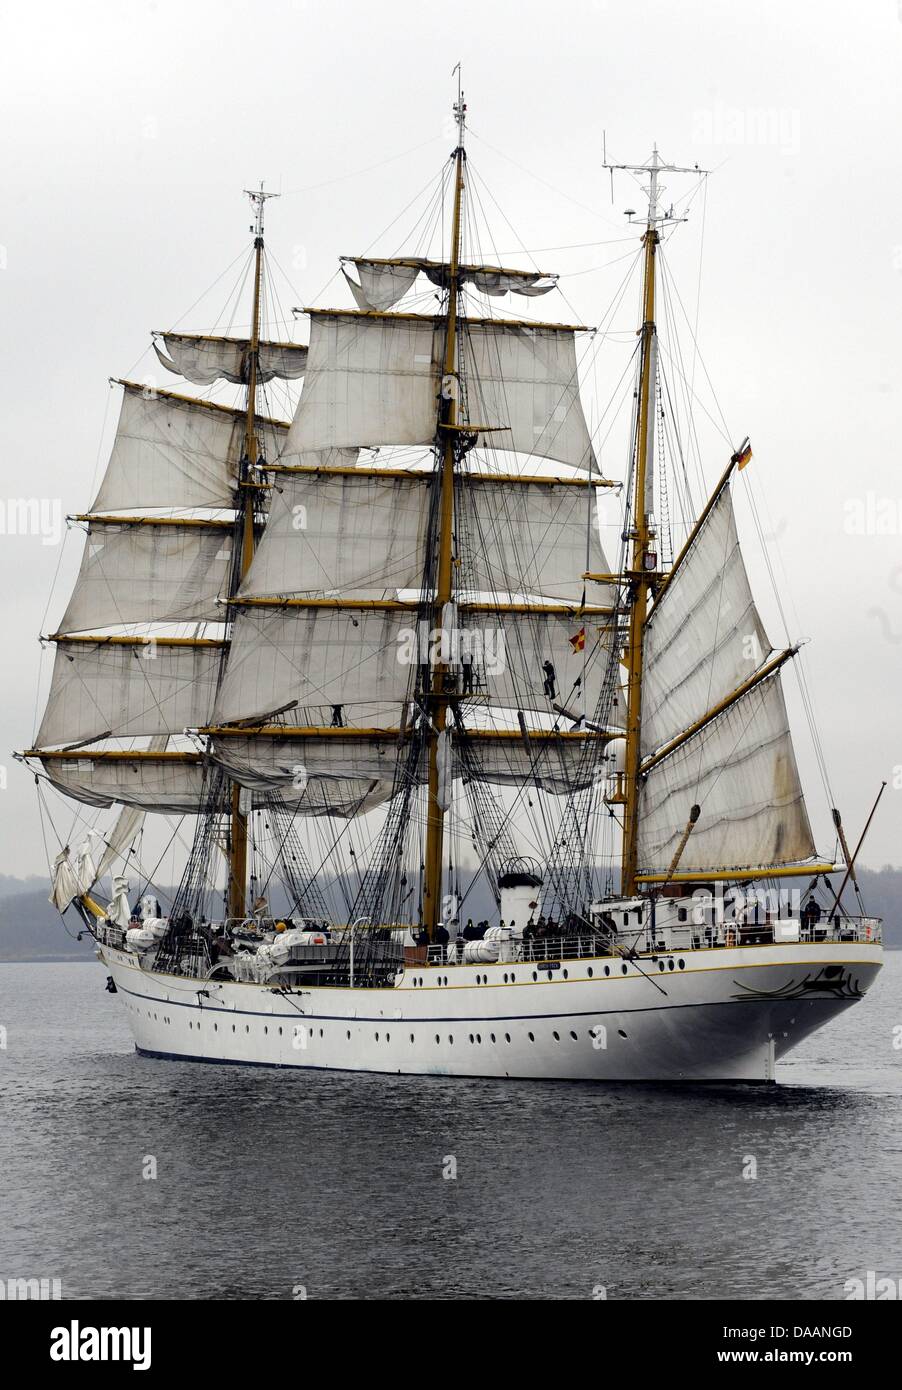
column 130, row 130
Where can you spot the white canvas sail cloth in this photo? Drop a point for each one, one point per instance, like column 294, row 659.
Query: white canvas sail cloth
column 69, row 880
column 148, row 573
column 381, row 283
column 374, row 380
column 705, row 637
column 530, row 538
column 366, row 661
column 174, row 787
column 203, row 360
column 741, row 770
column 319, row 777
column 126, row 691
column 178, row 453
column 346, row 535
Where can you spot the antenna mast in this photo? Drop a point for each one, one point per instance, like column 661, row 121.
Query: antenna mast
column 642, row 569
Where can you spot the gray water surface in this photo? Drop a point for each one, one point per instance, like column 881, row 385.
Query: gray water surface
column 270, row 1182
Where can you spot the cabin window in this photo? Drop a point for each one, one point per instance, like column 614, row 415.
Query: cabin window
column 682, row 914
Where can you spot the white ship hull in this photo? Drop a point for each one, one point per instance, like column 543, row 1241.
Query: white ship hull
column 706, row 1015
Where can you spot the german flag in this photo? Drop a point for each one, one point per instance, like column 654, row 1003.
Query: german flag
column 578, row 640
column 743, row 454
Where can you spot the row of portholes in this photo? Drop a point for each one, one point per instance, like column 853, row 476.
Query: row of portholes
column 477, row 1037
column 669, row 966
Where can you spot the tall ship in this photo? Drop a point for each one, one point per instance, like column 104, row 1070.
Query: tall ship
column 459, row 794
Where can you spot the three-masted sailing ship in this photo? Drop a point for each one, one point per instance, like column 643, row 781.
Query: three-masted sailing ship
column 394, row 612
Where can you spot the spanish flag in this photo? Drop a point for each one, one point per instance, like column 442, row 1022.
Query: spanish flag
column 578, row 640
column 743, row 454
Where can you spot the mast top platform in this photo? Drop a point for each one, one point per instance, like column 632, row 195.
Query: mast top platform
column 652, row 168
column 258, row 197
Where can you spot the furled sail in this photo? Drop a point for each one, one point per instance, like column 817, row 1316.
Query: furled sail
column 171, row 451
column 375, row 379
column 705, row 637
column 152, row 687
column 345, row 777
column 382, row 283
column 203, row 360
column 741, row 770
column 319, row 777
column 145, row 573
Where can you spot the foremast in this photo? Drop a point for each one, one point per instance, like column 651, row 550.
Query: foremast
column 246, row 542
column 447, row 429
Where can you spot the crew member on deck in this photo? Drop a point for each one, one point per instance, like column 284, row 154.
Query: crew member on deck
column 337, row 717
column 550, row 686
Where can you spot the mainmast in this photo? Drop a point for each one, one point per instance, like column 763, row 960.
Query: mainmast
column 435, row 816
column 247, row 506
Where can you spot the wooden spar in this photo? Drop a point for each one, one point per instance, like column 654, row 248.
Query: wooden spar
column 438, row 705
column 238, row 830
column 837, row 896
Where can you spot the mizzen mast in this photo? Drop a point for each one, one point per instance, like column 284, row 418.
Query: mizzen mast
column 643, row 567
column 247, row 507
column 438, row 704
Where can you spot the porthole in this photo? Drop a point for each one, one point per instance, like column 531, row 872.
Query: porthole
column 535, row 974
column 531, row 1036
column 624, row 968
column 233, row 1027
column 451, row 1039
column 215, row 1027
column 681, row 964
column 479, row 1037
column 388, row 1037
column 513, row 979
column 348, row 1034
column 556, row 1036
column 589, row 972
column 621, row 1032
column 660, row 965
column 507, row 1037
column 670, row 965
column 280, row 1032
column 492, row 1036
column 377, row 1037
column 471, row 1037
column 607, row 970
column 573, row 1035
column 505, row 977
column 321, row 1032
column 411, row 1037
column 437, row 1039
column 247, row 1028
column 265, row 1028
column 566, row 975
